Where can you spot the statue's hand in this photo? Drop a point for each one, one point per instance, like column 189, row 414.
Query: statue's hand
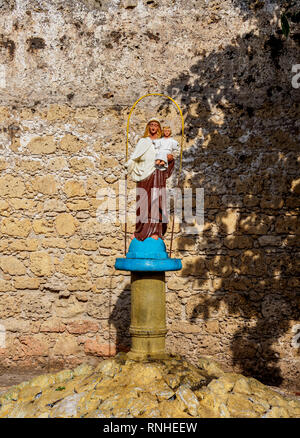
column 170, row 157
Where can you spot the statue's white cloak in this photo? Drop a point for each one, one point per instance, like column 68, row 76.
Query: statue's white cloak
column 141, row 163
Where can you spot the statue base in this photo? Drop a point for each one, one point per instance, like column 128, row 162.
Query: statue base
column 148, row 260
column 148, row 255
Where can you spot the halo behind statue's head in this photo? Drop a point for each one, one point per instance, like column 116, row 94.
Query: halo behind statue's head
column 153, row 119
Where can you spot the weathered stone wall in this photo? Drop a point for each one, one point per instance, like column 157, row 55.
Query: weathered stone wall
column 69, row 73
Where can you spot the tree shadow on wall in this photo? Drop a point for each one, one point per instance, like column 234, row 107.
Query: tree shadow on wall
column 240, row 111
column 119, row 318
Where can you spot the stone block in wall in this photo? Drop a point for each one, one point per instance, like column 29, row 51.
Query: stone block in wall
column 34, row 305
column 174, row 306
column 182, row 243
column 72, row 144
column 74, row 265
column 69, row 308
column 255, row 223
column 81, row 284
column 42, row 145
column 273, row 203
column 4, row 114
column 269, row 240
column 26, row 282
column 82, row 326
column 129, row 4
column 5, row 285
column 287, row 224
column 212, row 326
column 29, row 205
column 25, row 244
column 111, row 243
column 46, row 184
column 81, row 164
column 89, row 245
column 201, row 307
column 56, row 164
column 52, row 325
column 95, row 347
column 29, row 165
column 238, row 241
column 15, row 227
column 54, row 205
column 100, row 307
column 227, row 220
column 78, row 205
column 86, row 113
column 112, row 282
column 12, row 265
column 107, row 162
column 251, row 185
column 65, row 345
column 241, row 283
column 91, row 227
column 3, row 164
column 185, row 327
column 58, row 112
column 73, row 188
column 41, row 264
column 82, row 296
column 292, row 202
column 220, row 265
column 252, row 262
column 4, row 205
column 177, row 283
column 65, row 224
column 194, row 266
column 4, row 247
column 93, row 184
column 251, row 200
column 9, row 306
column 100, row 270
column 42, row 226
column 53, row 242
column 295, row 186
column 74, row 243
column 27, row 346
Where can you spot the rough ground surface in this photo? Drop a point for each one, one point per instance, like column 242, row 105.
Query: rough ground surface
column 120, row 387
column 70, row 72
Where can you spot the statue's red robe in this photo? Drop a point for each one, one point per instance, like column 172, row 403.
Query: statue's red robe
column 147, row 226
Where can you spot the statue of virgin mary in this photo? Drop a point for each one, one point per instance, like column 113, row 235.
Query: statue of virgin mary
column 141, row 168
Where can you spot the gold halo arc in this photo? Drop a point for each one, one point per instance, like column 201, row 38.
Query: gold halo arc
column 180, row 162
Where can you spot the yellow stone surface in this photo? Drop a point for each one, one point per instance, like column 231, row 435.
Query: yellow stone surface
column 42, row 145
column 25, row 244
column 122, row 388
column 15, row 227
column 41, row 264
column 74, row 265
column 58, row 112
column 12, row 265
column 70, row 143
column 42, row 226
column 26, row 283
column 65, row 224
column 46, row 184
column 74, row 188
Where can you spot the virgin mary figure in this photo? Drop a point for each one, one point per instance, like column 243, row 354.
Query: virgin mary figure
column 151, row 213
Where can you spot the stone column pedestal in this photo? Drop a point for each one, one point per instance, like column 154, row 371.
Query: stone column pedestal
column 148, row 261
column 148, row 315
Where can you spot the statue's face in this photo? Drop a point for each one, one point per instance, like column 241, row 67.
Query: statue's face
column 153, row 128
column 167, row 132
